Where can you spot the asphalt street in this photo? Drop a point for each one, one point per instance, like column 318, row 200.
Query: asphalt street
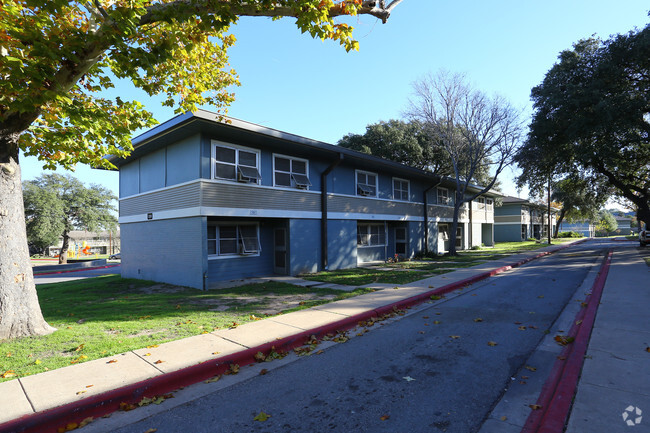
column 441, row 367
column 76, row 275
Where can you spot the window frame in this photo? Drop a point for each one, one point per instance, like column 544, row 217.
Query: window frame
column 241, row 245
column 448, row 199
column 357, row 183
column 489, row 204
column 291, row 173
column 408, row 189
column 381, row 235
column 236, row 164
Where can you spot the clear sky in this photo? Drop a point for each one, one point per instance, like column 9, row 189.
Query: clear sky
column 307, row 87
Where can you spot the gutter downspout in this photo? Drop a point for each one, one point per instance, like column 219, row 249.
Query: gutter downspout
column 323, row 207
column 426, row 217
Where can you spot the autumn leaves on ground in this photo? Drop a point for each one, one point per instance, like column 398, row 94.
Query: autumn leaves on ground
column 104, row 316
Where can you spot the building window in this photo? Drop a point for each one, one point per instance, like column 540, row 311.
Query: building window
column 443, row 197
column 400, row 241
column 370, row 235
column 290, row 172
column 400, row 189
column 459, row 237
column 366, row 183
column 481, row 203
column 490, row 204
column 236, row 163
column 233, row 239
column 524, row 231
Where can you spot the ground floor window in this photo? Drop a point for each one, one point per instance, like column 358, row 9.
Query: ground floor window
column 524, row 232
column 459, row 237
column 233, row 239
column 370, row 235
column 400, row 241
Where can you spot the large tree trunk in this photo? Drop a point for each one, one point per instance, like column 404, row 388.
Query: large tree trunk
column 558, row 222
column 63, row 254
column 20, row 313
column 454, row 228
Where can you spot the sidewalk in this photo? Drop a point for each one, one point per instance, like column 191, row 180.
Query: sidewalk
column 50, row 400
column 602, row 390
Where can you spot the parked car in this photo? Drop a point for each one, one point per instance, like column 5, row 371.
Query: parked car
column 644, row 237
column 115, row 257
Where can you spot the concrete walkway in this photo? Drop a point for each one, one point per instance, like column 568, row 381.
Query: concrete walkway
column 50, row 400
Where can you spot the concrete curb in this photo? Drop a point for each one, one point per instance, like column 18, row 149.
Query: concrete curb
column 71, row 414
column 38, row 274
column 559, row 389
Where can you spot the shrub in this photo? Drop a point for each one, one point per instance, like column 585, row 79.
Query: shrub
column 570, row 234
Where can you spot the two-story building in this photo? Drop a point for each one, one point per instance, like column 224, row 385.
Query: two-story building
column 518, row 219
column 204, row 199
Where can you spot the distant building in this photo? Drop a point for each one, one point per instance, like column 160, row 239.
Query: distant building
column 518, row 219
column 585, row 228
column 97, row 242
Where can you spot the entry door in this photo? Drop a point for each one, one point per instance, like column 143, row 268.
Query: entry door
column 400, row 241
column 280, row 251
column 459, row 238
column 443, row 237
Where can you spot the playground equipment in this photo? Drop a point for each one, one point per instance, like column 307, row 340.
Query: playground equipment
column 83, row 251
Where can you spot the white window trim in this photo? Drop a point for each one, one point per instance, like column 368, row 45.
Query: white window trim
column 408, row 188
column 237, row 148
column 306, row 161
column 356, row 183
column 450, row 200
column 237, row 255
column 383, row 228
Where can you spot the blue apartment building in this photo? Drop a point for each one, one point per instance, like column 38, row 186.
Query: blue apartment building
column 518, row 219
column 205, row 199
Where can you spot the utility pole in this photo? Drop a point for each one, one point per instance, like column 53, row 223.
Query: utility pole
column 549, row 210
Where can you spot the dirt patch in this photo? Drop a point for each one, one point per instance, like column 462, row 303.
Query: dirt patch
column 269, row 304
column 162, row 288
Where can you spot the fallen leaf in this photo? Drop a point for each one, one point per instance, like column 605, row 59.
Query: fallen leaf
column 425, row 317
column 435, row 297
column 112, row 361
column 262, row 416
column 534, row 406
column 8, row 373
column 563, row 340
column 522, row 328
column 81, row 358
column 159, row 362
column 81, row 392
column 38, row 361
column 384, row 417
column 647, row 349
column 578, row 322
column 263, row 371
column 437, row 322
column 532, row 327
column 540, row 296
column 151, row 430
column 522, row 382
column 517, row 323
column 147, row 354
column 216, row 353
column 80, row 347
column 492, row 343
column 259, row 357
column 524, row 377
column 421, row 332
column 8, row 354
column 454, row 337
column 583, row 304
column 478, row 319
column 320, row 352
column 127, row 406
column 89, row 386
column 86, row 421
column 152, row 346
column 68, row 427
column 213, row 379
column 528, row 367
column 503, row 418
column 561, row 358
column 408, row 378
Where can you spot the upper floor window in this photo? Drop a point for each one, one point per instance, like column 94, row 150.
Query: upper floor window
column 236, row 163
column 233, row 239
column 443, row 197
column 490, row 204
column 366, row 183
column 290, row 172
column 524, row 211
column 400, row 189
column 481, row 203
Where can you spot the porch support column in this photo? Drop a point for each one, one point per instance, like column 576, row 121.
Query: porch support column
column 323, row 207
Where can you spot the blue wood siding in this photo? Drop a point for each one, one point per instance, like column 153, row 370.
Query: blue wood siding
column 304, row 246
column 507, row 232
column 130, row 179
column 342, row 244
column 183, row 161
column 171, row 251
column 152, row 171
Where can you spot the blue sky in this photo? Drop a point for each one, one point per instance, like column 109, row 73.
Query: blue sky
column 312, row 88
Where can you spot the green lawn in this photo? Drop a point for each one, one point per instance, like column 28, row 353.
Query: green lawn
column 108, row 315
column 407, row 272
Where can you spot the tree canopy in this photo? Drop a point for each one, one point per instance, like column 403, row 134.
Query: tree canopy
column 55, row 205
column 580, row 199
column 592, row 116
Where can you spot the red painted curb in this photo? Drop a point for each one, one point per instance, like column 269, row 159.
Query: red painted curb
column 96, row 406
column 38, row 274
column 559, row 389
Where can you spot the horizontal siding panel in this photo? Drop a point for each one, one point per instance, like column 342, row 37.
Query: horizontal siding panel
column 447, row 212
column 252, row 197
column 180, row 197
column 370, row 206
